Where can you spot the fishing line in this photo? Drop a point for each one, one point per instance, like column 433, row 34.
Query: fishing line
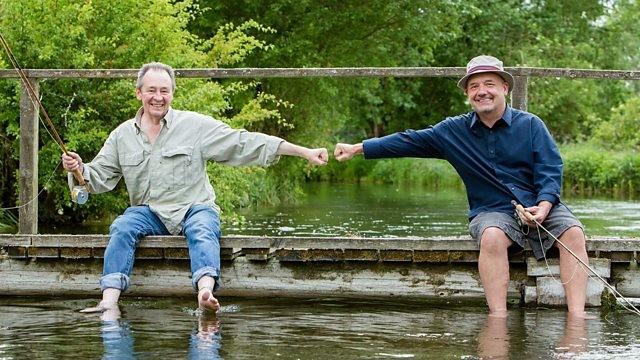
column 520, row 209
column 40, row 192
column 79, row 194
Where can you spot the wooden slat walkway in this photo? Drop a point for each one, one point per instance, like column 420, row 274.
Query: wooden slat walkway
column 441, row 267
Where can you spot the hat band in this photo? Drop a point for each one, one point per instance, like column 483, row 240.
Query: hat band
column 483, row 67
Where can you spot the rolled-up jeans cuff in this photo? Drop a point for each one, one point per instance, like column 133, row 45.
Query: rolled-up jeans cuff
column 205, row 271
column 118, row 281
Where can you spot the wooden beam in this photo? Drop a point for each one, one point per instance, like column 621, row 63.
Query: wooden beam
column 327, row 72
column 28, row 178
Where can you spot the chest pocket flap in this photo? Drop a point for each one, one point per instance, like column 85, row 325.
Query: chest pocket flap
column 177, row 150
column 131, row 159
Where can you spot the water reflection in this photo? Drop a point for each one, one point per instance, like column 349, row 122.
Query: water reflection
column 116, row 335
column 493, row 341
column 574, row 338
column 308, row 329
column 206, row 341
column 118, row 339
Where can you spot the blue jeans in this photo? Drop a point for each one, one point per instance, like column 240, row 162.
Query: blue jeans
column 201, row 227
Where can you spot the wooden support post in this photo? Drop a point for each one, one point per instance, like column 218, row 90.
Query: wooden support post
column 519, row 93
column 28, row 178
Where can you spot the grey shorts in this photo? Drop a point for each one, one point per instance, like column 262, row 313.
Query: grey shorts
column 559, row 220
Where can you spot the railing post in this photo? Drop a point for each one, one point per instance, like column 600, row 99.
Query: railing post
column 519, row 93
column 28, row 178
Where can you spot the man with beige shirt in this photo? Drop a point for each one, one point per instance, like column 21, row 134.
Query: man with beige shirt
column 162, row 154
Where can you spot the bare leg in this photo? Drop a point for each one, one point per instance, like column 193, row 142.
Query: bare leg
column 493, row 265
column 206, row 301
column 109, row 301
column 573, row 276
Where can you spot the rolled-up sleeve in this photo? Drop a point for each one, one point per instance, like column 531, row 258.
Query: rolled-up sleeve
column 103, row 172
column 225, row 145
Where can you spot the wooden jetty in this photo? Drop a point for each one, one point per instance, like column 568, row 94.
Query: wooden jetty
column 430, row 268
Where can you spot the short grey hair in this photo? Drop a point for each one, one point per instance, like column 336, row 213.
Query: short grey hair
column 158, row 66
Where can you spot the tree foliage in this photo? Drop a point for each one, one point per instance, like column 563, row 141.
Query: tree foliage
column 123, row 34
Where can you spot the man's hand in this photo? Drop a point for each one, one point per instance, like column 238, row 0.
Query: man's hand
column 539, row 213
column 344, row 152
column 72, row 161
column 318, row 156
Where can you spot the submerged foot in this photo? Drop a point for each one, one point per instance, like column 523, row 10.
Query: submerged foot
column 206, row 301
column 101, row 307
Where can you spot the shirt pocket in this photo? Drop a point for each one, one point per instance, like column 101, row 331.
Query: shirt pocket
column 132, row 169
column 178, row 167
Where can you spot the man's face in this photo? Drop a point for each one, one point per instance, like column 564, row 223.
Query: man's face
column 486, row 92
column 156, row 93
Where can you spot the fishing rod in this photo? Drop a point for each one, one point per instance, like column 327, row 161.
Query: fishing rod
column 79, row 193
column 527, row 215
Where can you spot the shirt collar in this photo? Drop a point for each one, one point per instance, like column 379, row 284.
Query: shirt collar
column 507, row 117
column 167, row 120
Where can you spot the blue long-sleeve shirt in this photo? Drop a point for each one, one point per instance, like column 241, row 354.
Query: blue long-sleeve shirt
column 516, row 159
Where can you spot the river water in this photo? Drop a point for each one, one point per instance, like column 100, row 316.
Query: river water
column 384, row 210
column 306, row 329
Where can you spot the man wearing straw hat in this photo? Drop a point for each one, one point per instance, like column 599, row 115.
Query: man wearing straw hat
column 162, row 154
column 502, row 154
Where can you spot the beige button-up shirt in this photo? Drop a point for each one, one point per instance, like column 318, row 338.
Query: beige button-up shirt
column 170, row 175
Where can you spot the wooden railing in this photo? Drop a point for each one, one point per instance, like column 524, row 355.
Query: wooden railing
column 28, row 178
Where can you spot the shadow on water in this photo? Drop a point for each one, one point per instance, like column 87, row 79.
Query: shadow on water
column 307, row 329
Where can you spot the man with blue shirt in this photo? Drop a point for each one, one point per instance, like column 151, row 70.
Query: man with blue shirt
column 501, row 154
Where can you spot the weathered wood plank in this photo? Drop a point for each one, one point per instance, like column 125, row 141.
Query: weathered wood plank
column 327, row 72
column 519, row 93
column 28, row 175
column 550, row 291
column 539, row 268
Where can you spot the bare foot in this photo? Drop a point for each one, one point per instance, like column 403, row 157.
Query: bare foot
column 206, row 301
column 111, row 314
column 101, row 307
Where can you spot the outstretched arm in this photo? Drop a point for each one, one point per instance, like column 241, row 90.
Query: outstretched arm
column 344, row 152
column 318, row 156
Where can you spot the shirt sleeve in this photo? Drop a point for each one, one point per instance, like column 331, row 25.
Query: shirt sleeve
column 221, row 143
column 547, row 166
column 411, row 143
column 103, row 172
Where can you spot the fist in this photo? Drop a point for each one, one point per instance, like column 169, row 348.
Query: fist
column 318, row 156
column 72, row 161
column 344, row 152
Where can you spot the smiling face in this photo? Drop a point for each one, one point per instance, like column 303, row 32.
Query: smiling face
column 156, row 94
column 487, row 94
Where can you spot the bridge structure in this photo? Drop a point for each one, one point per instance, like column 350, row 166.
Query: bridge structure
column 435, row 268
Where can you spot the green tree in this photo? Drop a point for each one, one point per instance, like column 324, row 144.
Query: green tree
column 124, row 34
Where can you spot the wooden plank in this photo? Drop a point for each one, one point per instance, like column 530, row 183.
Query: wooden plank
column 551, row 292
column 173, row 253
column 44, row 252
column 28, row 174
column 539, row 268
column 627, row 280
column 14, row 240
column 519, row 93
column 254, row 254
column 361, row 72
